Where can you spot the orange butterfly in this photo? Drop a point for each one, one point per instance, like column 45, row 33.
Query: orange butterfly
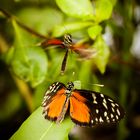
column 86, row 108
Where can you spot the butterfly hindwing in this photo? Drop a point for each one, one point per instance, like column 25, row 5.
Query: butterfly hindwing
column 54, row 101
column 79, row 111
column 89, row 108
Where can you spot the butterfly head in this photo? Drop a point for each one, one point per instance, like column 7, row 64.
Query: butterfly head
column 70, row 86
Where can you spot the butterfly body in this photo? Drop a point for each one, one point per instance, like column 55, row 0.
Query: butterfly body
column 86, row 108
column 81, row 49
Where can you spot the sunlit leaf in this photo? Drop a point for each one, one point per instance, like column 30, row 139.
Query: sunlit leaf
column 103, row 10
column 42, row 20
column 94, row 31
column 70, row 27
column 76, row 8
column 113, row 2
column 37, row 128
column 103, row 52
column 9, row 55
column 28, row 63
column 30, row 66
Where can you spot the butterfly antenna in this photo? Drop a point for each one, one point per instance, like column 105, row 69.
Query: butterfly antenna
column 99, row 85
column 79, row 83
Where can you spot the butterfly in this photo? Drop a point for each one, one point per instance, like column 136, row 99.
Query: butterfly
column 85, row 107
column 67, row 43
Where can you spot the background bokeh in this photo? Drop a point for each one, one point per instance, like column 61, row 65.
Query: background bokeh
column 21, row 90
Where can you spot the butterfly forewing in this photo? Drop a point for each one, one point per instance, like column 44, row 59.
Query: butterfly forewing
column 54, row 101
column 89, row 108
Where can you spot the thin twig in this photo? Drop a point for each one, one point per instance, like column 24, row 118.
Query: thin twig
column 28, row 29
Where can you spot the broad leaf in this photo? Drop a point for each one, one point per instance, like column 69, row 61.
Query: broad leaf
column 70, row 27
column 41, row 20
column 103, row 53
column 37, row 128
column 94, row 31
column 76, row 8
column 103, row 10
column 28, row 62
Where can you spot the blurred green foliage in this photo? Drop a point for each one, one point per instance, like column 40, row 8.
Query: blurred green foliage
column 22, row 57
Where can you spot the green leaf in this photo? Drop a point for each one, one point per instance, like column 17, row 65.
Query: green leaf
column 28, row 63
column 37, row 128
column 94, row 31
column 76, row 8
column 103, row 53
column 8, row 55
column 70, row 27
column 103, row 10
column 41, row 20
column 85, row 73
column 113, row 2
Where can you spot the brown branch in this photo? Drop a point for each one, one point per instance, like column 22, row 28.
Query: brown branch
column 28, row 29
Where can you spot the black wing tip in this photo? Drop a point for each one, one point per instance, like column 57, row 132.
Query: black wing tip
column 53, row 119
column 82, row 124
column 95, row 124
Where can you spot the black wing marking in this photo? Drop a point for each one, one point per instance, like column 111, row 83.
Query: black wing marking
column 102, row 108
column 52, row 102
column 52, row 90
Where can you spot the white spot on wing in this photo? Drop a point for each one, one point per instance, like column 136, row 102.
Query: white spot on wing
column 110, row 100
column 112, row 116
column 50, row 87
column 94, row 98
column 44, row 103
column 113, row 105
column 107, row 119
column 104, row 100
column 48, row 97
column 105, row 113
column 48, row 91
column 104, row 104
column 100, row 119
column 96, row 119
column 102, row 95
column 112, row 109
column 113, row 120
column 97, row 111
column 118, row 112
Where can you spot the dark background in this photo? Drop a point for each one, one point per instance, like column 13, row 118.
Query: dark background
column 122, row 74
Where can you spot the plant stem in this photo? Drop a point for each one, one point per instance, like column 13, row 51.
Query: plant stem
column 25, row 92
column 26, row 28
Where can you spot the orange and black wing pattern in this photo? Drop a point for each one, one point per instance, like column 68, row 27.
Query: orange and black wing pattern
column 54, row 102
column 89, row 108
column 86, row 108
